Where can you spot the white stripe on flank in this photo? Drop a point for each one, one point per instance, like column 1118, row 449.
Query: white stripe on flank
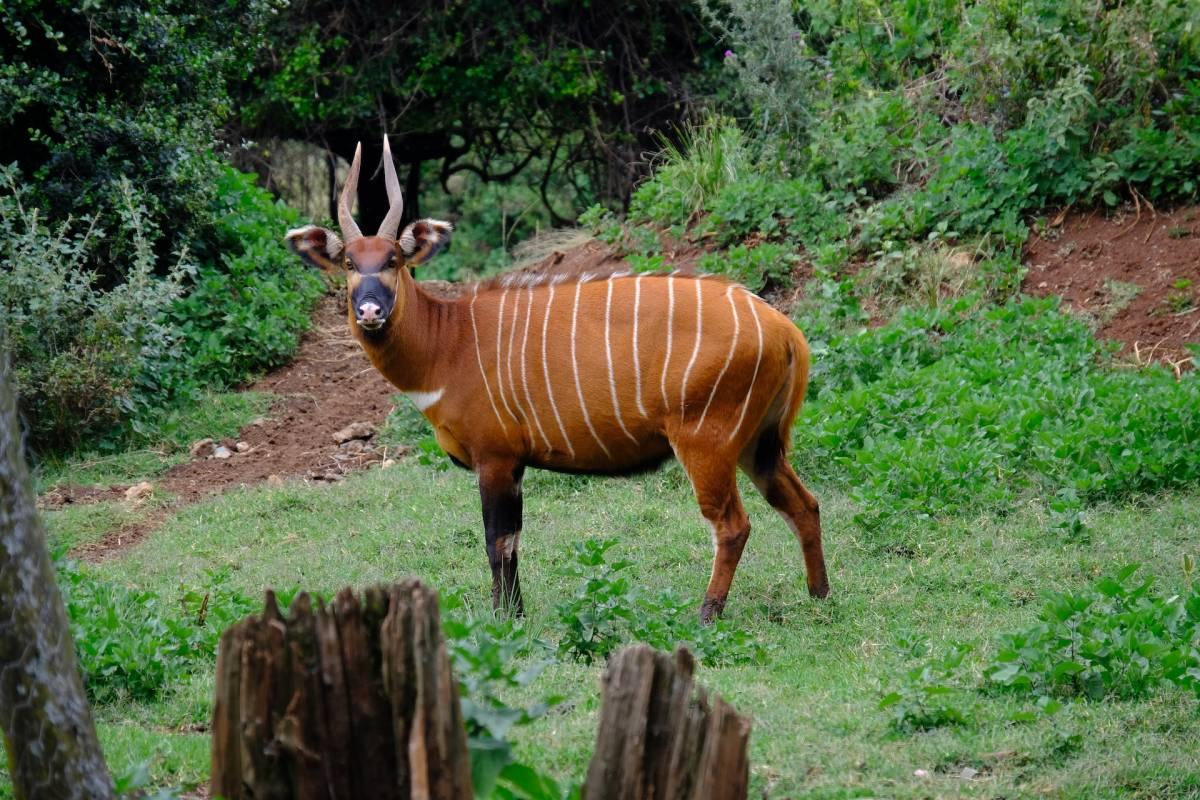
column 757, row 362
column 670, row 332
column 637, row 368
column 512, row 384
column 525, row 372
column 546, row 372
column 423, row 400
column 737, row 329
column 575, row 366
column 499, row 359
column 695, row 352
column 482, row 371
column 612, row 380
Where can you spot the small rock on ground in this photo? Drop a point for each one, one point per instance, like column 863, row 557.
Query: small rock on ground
column 355, row 430
column 139, row 492
column 203, row 448
column 222, row 452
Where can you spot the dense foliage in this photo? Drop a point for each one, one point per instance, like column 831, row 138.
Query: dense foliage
column 83, row 357
column 93, row 95
column 95, row 361
column 866, row 133
column 960, row 407
column 136, row 645
column 1113, row 640
column 570, row 90
column 138, row 268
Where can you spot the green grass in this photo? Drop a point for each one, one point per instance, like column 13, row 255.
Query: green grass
column 818, row 730
column 71, row 526
column 215, row 415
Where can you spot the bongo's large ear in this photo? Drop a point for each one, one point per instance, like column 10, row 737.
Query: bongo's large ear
column 317, row 247
column 424, row 239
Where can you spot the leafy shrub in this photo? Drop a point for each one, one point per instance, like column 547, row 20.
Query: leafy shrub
column 251, row 298
column 83, row 355
column 97, row 95
column 95, row 359
column 484, row 653
column 606, row 611
column 134, row 644
column 931, row 695
column 775, row 75
column 1116, row 638
column 753, row 267
column 957, row 408
column 936, row 119
column 798, row 210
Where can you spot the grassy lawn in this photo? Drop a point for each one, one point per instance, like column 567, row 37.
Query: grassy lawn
column 818, row 728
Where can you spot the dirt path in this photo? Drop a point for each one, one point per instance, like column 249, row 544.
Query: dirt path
column 1137, row 273
column 327, row 386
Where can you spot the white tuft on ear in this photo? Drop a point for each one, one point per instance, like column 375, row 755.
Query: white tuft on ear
column 424, row 238
column 310, row 237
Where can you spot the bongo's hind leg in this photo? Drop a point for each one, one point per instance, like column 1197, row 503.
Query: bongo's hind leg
column 715, row 484
column 774, row 477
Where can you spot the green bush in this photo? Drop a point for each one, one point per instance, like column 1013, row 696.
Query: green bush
column 917, row 120
column 97, row 95
column 1116, row 638
column 250, row 299
column 958, row 409
column 84, row 356
column 931, row 695
column 484, row 653
column 709, row 156
column 753, row 267
column 100, row 360
column 606, row 611
column 134, row 644
column 797, row 209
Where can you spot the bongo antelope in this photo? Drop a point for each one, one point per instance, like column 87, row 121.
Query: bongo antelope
column 609, row 374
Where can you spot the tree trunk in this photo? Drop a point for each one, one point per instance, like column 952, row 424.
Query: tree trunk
column 353, row 700
column 48, row 730
column 658, row 741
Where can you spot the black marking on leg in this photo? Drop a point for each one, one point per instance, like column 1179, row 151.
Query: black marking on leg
column 502, row 511
column 767, row 453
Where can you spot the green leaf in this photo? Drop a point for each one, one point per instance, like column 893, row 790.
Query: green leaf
column 489, row 757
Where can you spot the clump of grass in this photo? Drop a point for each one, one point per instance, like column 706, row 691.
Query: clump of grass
column 704, row 158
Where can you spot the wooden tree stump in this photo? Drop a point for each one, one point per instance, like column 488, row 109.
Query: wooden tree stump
column 659, row 741
column 353, row 700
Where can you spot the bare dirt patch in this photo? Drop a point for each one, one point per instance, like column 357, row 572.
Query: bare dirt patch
column 1137, row 273
column 72, row 495
column 122, row 538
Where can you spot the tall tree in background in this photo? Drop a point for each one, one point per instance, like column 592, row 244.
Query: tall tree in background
column 574, row 89
column 53, row 753
column 93, row 93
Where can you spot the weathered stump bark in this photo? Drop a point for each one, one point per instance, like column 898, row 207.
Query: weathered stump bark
column 659, row 741
column 47, row 725
column 353, row 700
